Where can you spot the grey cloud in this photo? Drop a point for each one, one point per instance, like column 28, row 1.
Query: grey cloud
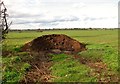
column 92, row 18
column 22, row 22
column 24, row 15
column 89, row 18
column 49, row 24
column 70, row 18
column 59, row 19
column 53, row 21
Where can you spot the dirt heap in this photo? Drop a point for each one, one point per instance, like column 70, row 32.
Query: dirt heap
column 57, row 42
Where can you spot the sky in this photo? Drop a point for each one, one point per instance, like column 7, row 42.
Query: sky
column 40, row 14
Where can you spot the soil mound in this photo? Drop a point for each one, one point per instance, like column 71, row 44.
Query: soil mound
column 39, row 49
column 54, row 42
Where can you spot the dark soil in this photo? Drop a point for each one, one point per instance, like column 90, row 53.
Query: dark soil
column 39, row 71
column 54, row 41
column 6, row 53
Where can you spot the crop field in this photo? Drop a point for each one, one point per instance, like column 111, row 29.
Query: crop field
column 99, row 63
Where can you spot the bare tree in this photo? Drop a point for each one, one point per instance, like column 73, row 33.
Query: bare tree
column 3, row 17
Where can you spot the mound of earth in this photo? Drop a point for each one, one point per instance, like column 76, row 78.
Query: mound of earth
column 55, row 43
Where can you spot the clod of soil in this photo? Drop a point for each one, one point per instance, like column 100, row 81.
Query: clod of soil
column 6, row 53
column 54, row 41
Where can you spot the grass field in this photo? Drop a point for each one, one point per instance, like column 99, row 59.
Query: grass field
column 101, row 55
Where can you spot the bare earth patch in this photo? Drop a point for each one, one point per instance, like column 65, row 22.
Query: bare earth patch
column 100, row 68
column 39, row 71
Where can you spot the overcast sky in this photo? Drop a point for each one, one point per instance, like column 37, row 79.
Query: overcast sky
column 62, row 13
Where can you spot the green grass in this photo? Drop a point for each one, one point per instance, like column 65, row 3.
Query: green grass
column 67, row 69
column 14, row 68
column 102, row 44
column 104, row 52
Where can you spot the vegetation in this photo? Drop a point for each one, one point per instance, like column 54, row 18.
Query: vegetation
column 102, row 46
column 14, row 68
column 67, row 69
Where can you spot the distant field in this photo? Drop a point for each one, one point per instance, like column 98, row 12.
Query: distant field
column 87, row 36
column 102, row 45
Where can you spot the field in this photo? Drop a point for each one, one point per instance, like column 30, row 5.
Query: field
column 99, row 63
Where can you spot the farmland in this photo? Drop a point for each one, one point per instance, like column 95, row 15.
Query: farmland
column 98, row 63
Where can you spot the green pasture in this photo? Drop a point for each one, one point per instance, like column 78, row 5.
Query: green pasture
column 101, row 44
